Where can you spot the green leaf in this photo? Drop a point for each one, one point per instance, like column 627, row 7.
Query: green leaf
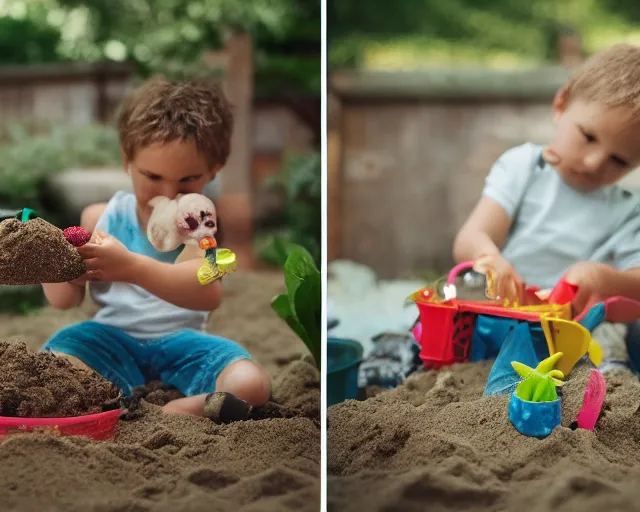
column 280, row 304
column 280, row 247
column 308, row 305
column 298, row 267
column 302, row 306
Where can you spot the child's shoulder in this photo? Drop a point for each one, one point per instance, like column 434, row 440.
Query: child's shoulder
column 121, row 203
column 120, row 211
column 527, row 153
column 626, row 196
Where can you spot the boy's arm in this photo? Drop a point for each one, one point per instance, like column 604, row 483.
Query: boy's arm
column 599, row 281
column 178, row 283
column 69, row 295
column 625, row 283
column 484, row 233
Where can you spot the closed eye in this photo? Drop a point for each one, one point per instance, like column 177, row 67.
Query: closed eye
column 619, row 161
column 189, row 179
column 589, row 137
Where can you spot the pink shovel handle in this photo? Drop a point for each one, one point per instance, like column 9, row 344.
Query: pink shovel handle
column 457, row 270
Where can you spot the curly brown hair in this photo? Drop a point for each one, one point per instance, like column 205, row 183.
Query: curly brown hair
column 163, row 111
column 610, row 77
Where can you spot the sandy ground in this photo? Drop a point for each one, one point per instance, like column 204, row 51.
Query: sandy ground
column 436, row 444
column 159, row 462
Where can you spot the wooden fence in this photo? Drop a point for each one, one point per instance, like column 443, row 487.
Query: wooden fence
column 408, row 154
column 70, row 93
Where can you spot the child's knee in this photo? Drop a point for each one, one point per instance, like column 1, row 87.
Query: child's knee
column 75, row 361
column 247, row 380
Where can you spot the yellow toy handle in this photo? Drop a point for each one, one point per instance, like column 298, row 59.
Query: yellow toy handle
column 225, row 263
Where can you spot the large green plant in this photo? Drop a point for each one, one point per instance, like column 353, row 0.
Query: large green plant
column 301, row 306
column 301, row 220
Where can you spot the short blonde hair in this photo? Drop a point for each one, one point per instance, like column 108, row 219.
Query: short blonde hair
column 610, row 77
column 163, row 111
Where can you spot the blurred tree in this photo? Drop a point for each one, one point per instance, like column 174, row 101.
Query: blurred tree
column 169, row 36
column 629, row 8
column 24, row 41
column 529, row 29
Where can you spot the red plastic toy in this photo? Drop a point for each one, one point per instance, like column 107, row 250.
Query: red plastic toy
column 451, row 322
column 99, row 426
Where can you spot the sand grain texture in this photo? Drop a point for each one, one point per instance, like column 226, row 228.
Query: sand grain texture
column 35, row 252
column 181, row 463
column 42, row 385
column 436, row 444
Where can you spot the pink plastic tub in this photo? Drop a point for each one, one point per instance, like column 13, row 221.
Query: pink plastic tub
column 99, row 426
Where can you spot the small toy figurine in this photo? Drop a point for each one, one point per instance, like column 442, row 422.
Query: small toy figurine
column 190, row 220
column 184, row 220
column 219, row 261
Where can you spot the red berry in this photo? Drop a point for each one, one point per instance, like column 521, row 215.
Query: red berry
column 77, row 236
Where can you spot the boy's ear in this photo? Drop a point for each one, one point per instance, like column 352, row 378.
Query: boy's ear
column 560, row 103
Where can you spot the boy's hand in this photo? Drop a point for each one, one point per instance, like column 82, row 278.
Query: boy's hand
column 107, row 259
column 502, row 279
column 592, row 280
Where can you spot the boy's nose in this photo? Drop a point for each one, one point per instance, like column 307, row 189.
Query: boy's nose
column 170, row 191
column 594, row 161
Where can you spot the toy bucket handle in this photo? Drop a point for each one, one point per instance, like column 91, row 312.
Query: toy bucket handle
column 457, row 270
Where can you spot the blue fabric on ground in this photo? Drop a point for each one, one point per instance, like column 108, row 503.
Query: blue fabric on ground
column 488, row 336
column 525, row 343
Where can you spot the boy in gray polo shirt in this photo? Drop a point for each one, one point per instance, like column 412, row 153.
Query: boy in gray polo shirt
column 558, row 211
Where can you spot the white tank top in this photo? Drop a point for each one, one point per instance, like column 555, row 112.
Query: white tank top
column 128, row 307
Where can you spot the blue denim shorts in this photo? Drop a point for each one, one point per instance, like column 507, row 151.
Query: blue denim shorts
column 188, row 360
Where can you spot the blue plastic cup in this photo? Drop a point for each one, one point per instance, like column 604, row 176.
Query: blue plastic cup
column 534, row 419
column 343, row 361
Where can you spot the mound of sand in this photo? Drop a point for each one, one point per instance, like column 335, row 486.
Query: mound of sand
column 35, row 252
column 437, row 444
column 41, row 385
column 182, row 463
column 170, row 462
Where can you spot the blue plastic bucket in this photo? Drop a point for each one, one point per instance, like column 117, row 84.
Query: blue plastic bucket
column 534, row 419
column 343, row 360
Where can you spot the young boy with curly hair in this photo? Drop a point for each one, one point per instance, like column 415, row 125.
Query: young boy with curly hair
column 559, row 211
column 150, row 325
